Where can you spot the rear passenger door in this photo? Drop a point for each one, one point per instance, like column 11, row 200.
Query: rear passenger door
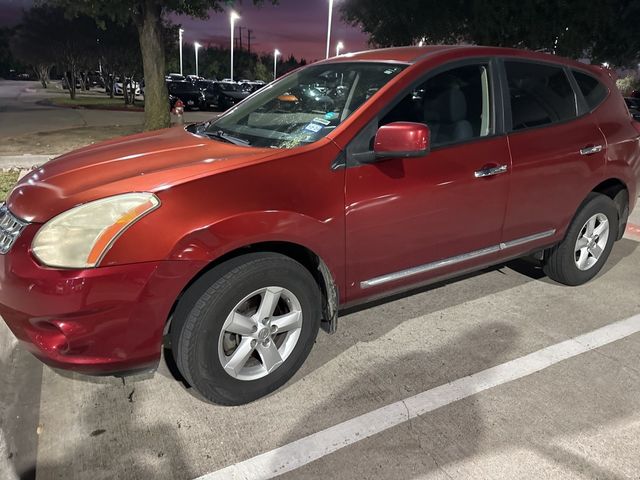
column 556, row 146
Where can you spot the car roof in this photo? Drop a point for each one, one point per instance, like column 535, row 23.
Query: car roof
column 414, row 54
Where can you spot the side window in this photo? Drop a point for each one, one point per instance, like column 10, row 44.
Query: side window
column 594, row 92
column 540, row 95
column 456, row 105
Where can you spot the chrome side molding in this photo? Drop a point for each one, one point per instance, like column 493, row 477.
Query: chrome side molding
column 392, row 277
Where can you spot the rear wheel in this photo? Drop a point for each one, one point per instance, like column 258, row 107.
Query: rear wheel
column 587, row 244
column 244, row 328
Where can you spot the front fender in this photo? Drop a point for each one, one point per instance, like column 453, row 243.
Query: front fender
column 242, row 230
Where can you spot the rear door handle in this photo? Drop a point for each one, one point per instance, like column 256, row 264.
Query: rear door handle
column 591, row 150
column 490, row 171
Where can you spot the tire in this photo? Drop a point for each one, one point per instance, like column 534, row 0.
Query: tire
column 568, row 264
column 203, row 340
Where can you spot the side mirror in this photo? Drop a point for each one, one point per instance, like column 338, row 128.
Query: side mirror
column 402, row 140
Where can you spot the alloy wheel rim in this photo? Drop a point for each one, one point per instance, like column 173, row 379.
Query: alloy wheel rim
column 260, row 333
column 592, row 241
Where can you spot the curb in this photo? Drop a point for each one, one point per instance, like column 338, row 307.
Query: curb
column 10, row 162
column 47, row 103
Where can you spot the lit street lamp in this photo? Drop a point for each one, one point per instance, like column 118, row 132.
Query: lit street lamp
column 339, row 47
column 233, row 16
column 180, row 32
column 329, row 27
column 198, row 46
column 275, row 62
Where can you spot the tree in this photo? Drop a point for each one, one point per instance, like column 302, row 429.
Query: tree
column 147, row 16
column 118, row 58
column 604, row 30
column 8, row 62
column 261, row 72
column 214, row 62
column 46, row 37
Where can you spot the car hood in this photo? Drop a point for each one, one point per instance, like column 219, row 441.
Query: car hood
column 149, row 162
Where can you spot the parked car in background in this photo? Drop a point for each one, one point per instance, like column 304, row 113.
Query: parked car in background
column 191, row 96
column 175, row 77
column 634, row 107
column 15, row 75
column 118, row 88
column 133, row 87
column 224, row 95
column 251, row 86
column 235, row 240
column 65, row 83
column 94, row 79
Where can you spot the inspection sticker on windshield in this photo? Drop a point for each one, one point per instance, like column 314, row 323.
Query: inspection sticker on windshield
column 313, row 127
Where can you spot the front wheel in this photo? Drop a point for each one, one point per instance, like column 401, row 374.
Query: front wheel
column 243, row 329
column 587, row 244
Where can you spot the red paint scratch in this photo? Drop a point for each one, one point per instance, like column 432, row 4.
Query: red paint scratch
column 632, row 231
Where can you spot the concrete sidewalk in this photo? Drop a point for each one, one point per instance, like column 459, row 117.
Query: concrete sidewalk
column 577, row 419
column 8, row 162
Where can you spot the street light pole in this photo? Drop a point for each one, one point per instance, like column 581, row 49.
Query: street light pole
column 232, row 19
column 197, row 45
column 275, row 62
column 329, row 26
column 339, row 47
column 180, row 32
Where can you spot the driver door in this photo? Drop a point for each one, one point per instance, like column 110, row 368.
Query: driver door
column 410, row 220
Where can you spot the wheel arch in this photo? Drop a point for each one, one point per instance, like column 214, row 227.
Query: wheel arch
column 616, row 190
column 303, row 255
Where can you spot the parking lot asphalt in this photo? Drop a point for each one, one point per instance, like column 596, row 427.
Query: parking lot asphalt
column 577, row 416
column 20, row 112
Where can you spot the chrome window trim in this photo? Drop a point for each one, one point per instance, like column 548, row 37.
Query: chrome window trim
column 392, row 277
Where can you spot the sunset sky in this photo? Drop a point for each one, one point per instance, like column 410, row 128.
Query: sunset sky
column 295, row 27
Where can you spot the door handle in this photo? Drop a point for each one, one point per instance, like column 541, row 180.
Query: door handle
column 490, row 171
column 591, row 150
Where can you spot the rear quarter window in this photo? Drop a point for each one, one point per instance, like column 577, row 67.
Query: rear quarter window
column 593, row 91
column 540, row 95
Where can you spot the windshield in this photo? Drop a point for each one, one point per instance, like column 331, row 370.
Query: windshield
column 304, row 106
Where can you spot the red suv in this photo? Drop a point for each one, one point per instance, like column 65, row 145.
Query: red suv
column 235, row 240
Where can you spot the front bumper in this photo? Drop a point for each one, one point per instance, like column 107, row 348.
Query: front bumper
column 97, row 321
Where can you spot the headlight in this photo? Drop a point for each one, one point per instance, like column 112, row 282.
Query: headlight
column 80, row 237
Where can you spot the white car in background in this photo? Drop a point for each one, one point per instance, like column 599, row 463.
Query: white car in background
column 118, row 89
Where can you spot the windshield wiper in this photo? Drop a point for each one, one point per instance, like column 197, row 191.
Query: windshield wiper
column 199, row 128
column 228, row 138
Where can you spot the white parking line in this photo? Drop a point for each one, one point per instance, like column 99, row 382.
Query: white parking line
column 301, row 452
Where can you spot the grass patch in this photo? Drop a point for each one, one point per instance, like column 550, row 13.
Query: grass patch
column 62, row 141
column 94, row 102
column 8, row 179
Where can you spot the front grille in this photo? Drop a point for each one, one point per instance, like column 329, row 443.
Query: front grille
column 10, row 229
